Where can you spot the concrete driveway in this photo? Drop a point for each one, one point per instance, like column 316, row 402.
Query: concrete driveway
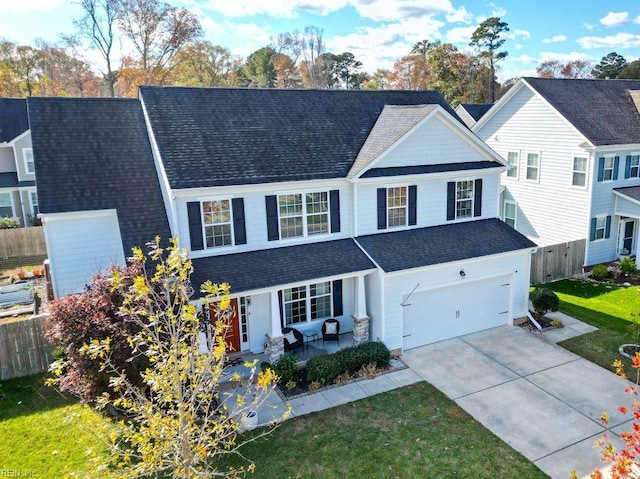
column 536, row 396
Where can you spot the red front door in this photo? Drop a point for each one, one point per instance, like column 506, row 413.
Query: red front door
column 232, row 338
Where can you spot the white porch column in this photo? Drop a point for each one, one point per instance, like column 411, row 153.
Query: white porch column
column 275, row 341
column 360, row 318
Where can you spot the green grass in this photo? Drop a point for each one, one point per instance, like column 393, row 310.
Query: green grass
column 413, row 432
column 44, row 433
column 606, row 307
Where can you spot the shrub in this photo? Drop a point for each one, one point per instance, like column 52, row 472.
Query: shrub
column 9, row 223
column 599, row 272
column 544, row 300
column 323, row 368
column 285, row 368
column 628, row 267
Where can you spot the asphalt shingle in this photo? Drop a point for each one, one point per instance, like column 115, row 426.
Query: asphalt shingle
column 93, row 154
column 223, row 136
column 424, row 169
column 602, row 110
column 13, row 118
column 277, row 266
column 442, row 244
column 476, row 110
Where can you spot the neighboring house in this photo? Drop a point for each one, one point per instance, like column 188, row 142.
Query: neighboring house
column 375, row 208
column 470, row 113
column 574, row 151
column 18, row 196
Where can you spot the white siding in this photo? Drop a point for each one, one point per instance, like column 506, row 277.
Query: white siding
column 431, row 197
column 7, row 162
column 256, row 219
column 603, row 204
column 24, row 142
column 81, row 246
column 434, row 142
column 374, row 295
column 399, row 285
column 549, row 211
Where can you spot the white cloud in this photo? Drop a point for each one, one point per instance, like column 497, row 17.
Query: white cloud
column 390, row 10
column 460, row 34
column 30, row 6
column 519, row 46
column 498, row 11
column 637, row 19
column 615, row 19
column 555, row 39
column 587, row 26
column 461, row 15
column 618, row 41
column 518, row 34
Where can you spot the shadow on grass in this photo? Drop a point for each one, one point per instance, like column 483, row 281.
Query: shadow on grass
column 580, row 289
column 28, row 395
column 597, row 318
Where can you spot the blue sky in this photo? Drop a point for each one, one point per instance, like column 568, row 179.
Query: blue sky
column 379, row 32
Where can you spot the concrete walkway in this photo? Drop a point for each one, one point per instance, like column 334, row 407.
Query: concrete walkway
column 543, row 400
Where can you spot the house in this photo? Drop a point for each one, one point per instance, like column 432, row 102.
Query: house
column 378, row 208
column 574, row 151
column 470, row 113
column 18, row 196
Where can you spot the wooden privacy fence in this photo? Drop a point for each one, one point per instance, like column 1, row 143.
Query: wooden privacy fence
column 23, row 348
column 22, row 247
column 558, row 261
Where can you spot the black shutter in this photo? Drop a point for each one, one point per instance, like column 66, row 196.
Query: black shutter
column 477, row 198
column 627, row 167
column 451, row 200
column 382, row 208
column 195, row 225
column 607, row 227
column 337, row 298
column 600, row 169
column 616, row 166
column 281, row 302
column 271, row 203
column 239, row 227
column 592, row 236
column 334, row 201
column 413, row 205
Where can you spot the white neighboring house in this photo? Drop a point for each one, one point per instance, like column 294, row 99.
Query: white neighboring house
column 470, row 113
column 574, row 151
column 378, row 209
column 18, row 196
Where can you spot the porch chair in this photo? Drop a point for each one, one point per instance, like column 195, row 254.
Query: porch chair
column 293, row 339
column 331, row 331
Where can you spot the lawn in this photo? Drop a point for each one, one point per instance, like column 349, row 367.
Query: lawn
column 410, row 432
column 608, row 308
column 44, row 433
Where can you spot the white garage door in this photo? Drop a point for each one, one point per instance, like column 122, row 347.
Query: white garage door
column 444, row 313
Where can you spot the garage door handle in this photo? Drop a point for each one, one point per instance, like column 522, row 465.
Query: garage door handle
column 504, row 312
column 406, row 335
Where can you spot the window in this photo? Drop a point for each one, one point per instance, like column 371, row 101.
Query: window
column 634, row 166
column 6, row 210
column 512, row 158
column 464, row 199
column 533, row 166
column 303, row 214
column 27, row 155
column 509, row 213
column 303, row 302
column 216, row 219
column 607, row 172
column 34, row 203
column 600, row 229
column 579, row 177
column 397, row 206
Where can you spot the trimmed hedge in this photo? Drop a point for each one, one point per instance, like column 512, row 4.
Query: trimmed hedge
column 349, row 360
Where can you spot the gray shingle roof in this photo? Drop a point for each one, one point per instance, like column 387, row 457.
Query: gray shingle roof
column 442, row 244
column 13, row 118
column 9, row 180
column 632, row 192
column 276, row 266
column 393, row 123
column 422, row 169
column 222, row 136
column 93, row 154
column 602, row 110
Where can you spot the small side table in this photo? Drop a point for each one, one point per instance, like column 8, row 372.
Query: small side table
column 309, row 337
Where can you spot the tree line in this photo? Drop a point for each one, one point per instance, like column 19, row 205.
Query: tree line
column 166, row 47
